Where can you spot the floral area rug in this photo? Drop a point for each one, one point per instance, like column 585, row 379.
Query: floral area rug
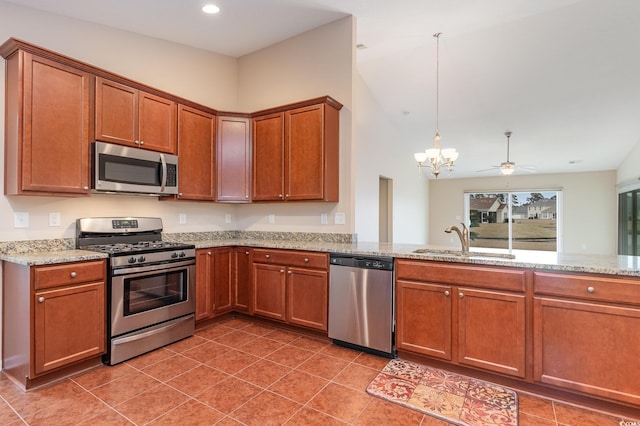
column 451, row 397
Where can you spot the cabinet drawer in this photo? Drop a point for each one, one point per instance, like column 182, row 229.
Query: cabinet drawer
column 459, row 274
column 589, row 287
column 292, row 258
column 68, row 273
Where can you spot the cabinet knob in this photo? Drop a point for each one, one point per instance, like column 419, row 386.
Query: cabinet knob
column 279, row 195
column 136, row 142
column 40, row 299
column 306, row 260
column 267, row 256
column 86, row 188
column 460, row 295
column 208, row 253
column 288, row 272
column 247, row 253
column 286, row 196
column 446, row 292
column 179, row 194
column 591, row 289
column 246, row 196
column 73, row 274
column 282, row 271
column 141, row 142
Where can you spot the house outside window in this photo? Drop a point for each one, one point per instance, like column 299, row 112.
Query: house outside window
column 513, row 220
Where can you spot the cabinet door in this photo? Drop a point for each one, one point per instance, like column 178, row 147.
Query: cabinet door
column 588, row 347
column 307, row 297
column 69, row 325
column 233, row 159
column 157, row 126
column 491, row 330
column 54, row 140
column 242, row 280
column 268, row 157
column 222, row 280
column 305, row 153
column 204, row 280
column 116, row 113
column 269, row 297
column 424, row 318
column 196, row 154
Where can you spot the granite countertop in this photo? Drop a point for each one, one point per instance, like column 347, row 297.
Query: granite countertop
column 601, row 264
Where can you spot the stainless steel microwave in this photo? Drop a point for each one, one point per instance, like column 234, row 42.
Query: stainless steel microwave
column 118, row 168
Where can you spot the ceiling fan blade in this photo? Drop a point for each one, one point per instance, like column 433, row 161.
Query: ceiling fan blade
column 488, row 170
column 531, row 169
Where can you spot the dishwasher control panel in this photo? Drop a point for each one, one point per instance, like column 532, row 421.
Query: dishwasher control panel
column 383, row 263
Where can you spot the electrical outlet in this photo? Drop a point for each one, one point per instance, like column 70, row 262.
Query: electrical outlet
column 340, row 219
column 323, row 219
column 21, row 220
column 272, row 219
column 182, row 218
column 227, row 218
column 54, row 219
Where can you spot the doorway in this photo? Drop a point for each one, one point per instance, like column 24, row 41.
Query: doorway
column 385, row 210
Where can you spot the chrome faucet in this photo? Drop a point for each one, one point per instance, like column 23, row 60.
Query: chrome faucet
column 463, row 235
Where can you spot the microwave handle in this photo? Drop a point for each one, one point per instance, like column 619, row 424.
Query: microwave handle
column 163, row 179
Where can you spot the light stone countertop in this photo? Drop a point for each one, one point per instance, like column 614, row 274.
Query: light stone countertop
column 534, row 260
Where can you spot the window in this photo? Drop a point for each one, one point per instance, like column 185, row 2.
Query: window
column 513, row 220
column 629, row 222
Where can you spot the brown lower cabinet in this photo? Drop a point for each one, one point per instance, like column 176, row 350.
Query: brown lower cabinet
column 440, row 314
column 291, row 286
column 213, row 282
column 64, row 324
column 587, row 334
column 243, row 259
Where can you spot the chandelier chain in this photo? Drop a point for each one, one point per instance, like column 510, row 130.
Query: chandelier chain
column 437, row 36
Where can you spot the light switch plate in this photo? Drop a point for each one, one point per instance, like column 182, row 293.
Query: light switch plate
column 272, row 219
column 54, row 219
column 340, row 219
column 227, row 218
column 182, row 218
column 21, row 220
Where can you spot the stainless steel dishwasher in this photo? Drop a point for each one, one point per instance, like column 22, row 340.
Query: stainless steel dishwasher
column 361, row 300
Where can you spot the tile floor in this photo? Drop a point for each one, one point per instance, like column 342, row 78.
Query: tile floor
column 240, row 372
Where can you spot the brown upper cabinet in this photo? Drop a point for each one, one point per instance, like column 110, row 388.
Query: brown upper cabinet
column 233, row 159
column 128, row 116
column 296, row 153
column 196, row 154
column 46, row 126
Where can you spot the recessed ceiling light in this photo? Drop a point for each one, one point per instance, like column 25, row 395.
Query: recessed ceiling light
column 210, row 8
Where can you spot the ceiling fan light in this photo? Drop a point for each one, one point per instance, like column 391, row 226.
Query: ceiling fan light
column 507, row 168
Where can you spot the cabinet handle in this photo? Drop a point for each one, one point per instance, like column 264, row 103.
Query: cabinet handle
column 591, row 289
column 460, row 295
column 446, row 292
column 73, row 274
column 40, row 299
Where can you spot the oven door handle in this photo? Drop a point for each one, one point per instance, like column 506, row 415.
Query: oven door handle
column 164, row 267
column 163, row 179
column 154, row 330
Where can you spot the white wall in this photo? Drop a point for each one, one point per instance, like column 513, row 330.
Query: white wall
column 311, row 65
column 379, row 152
column 628, row 176
column 589, row 208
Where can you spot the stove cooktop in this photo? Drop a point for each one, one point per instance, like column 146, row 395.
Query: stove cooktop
column 138, row 247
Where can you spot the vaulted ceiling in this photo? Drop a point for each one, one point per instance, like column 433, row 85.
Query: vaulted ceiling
column 562, row 75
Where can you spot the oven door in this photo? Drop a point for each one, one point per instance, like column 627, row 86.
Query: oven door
column 149, row 295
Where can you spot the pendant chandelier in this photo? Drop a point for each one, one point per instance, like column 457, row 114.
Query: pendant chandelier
column 436, row 158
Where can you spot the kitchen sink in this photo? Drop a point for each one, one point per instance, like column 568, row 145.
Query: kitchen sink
column 458, row 253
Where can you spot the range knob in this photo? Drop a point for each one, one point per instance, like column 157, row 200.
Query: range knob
column 141, row 259
column 174, row 255
column 132, row 260
column 182, row 254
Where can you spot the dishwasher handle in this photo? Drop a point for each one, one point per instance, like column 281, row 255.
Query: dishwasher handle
column 362, row 262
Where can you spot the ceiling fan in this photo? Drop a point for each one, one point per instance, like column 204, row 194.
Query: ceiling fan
column 508, row 167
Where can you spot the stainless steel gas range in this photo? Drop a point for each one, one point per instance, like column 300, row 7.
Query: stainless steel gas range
column 151, row 285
